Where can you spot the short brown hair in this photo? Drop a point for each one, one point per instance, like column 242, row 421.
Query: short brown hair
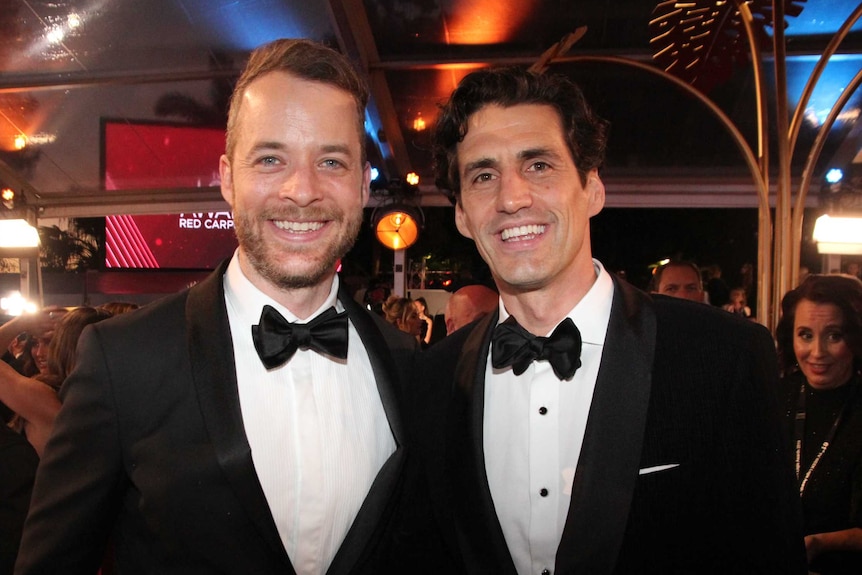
column 307, row 60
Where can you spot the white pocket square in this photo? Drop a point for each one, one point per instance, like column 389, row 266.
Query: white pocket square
column 648, row 470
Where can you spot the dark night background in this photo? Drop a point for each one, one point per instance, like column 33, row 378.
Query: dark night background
column 625, row 240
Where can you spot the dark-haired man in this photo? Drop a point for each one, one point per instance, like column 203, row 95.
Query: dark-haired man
column 587, row 428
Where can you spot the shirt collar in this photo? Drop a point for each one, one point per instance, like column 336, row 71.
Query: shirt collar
column 593, row 312
column 248, row 300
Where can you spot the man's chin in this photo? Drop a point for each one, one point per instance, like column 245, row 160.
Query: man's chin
column 295, row 275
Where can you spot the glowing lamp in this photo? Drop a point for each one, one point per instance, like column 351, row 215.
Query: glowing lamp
column 18, row 239
column 397, row 225
column 838, row 235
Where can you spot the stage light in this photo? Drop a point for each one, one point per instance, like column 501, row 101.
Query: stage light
column 7, row 196
column 834, row 176
column 18, row 239
column 397, row 225
column 838, row 235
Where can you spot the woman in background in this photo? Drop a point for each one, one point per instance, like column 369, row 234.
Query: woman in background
column 34, row 399
column 820, row 349
column 400, row 312
column 427, row 323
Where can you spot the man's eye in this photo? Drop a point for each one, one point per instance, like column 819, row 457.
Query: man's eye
column 483, row 178
column 539, row 166
column 331, row 163
column 268, row 161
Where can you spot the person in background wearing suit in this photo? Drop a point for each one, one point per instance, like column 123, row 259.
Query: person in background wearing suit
column 207, row 434
column 678, row 278
column 635, row 434
column 468, row 304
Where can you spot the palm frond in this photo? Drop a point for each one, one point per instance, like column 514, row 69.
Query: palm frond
column 703, row 41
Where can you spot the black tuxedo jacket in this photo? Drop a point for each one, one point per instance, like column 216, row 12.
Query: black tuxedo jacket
column 679, row 383
column 149, row 449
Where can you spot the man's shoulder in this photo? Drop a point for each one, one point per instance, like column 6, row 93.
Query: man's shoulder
column 694, row 325
column 156, row 312
column 452, row 344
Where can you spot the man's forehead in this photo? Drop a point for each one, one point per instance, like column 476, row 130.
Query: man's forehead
column 679, row 275
column 495, row 132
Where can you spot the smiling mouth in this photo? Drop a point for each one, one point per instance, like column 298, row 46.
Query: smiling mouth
column 521, row 233
column 298, row 227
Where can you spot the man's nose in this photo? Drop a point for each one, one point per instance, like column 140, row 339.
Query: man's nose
column 515, row 194
column 300, row 186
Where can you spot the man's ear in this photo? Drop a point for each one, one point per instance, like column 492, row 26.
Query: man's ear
column 366, row 184
column 461, row 221
column 226, row 177
column 596, row 193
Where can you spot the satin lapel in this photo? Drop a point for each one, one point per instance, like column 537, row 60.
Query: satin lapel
column 480, row 536
column 214, row 373
column 384, row 488
column 608, row 465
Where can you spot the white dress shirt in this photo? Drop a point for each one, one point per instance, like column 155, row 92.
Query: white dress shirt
column 316, row 426
column 533, row 429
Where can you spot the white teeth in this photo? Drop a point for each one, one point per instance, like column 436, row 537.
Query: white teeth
column 520, row 231
column 298, row 226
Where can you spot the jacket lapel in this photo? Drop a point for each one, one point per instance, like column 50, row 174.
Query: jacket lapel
column 214, row 374
column 608, row 465
column 371, row 517
column 480, row 537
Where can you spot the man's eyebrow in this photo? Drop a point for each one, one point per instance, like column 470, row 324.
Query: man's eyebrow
column 536, row 152
column 265, row 146
column 336, row 149
column 278, row 146
column 480, row 164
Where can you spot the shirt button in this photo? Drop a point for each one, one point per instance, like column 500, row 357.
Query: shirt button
column 543, row 410
column 543, row 492
column 546, row 572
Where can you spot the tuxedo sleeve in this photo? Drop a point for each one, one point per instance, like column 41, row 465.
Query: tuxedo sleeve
column 80, row 478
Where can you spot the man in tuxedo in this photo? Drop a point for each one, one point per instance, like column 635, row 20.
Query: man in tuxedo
column 468, row 304
column 679, row 278
column 635, row 434
column 249, row 424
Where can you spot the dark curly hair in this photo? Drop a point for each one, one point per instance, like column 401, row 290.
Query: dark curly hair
column 845, row 292
column 585, row 132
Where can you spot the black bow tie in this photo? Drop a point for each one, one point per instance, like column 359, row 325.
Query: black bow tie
column 276, row 339
column 512, row 345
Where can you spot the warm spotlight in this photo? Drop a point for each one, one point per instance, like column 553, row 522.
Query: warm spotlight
column 838, row 235
column 7, row 196
column 397, row 225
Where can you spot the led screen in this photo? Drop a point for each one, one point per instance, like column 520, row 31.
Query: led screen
column 146, row 156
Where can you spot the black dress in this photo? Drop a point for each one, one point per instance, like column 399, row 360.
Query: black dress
column 832, row 499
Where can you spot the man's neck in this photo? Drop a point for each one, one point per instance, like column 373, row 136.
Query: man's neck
column 540, row 310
